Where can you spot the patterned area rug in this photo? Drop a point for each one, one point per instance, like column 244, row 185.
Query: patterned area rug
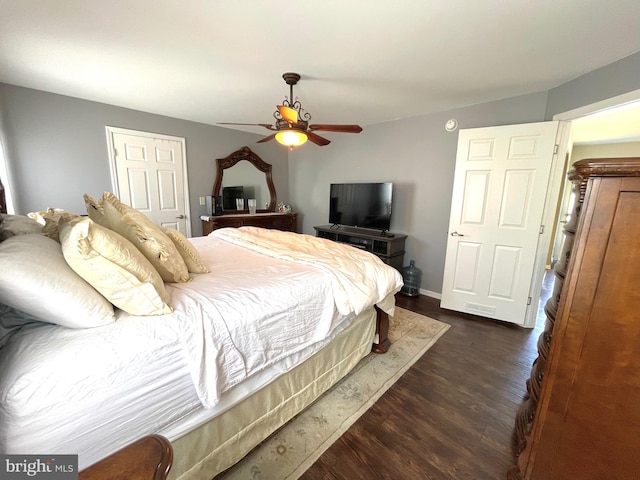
column 296, row 446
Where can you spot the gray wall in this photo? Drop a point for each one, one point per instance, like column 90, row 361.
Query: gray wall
column 57, row 146
column 609, row 81
column 416, row 154
column 57, row 149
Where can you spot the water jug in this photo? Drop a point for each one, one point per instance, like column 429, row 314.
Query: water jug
column 412, row 277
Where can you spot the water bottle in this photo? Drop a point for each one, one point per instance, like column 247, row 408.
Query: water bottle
column 412, row 277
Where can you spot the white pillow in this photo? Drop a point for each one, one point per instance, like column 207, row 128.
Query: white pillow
column 189, row 254
column 147, row 237
column 36, row 279
column 114, row 267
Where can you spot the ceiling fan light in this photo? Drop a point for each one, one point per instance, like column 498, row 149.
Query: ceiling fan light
column 291, row 138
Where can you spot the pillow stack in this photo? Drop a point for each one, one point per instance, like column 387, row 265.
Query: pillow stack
column 73, row 270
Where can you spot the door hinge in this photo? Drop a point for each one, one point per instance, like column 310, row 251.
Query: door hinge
column 541, row 229
column 555, row 148
column 115, row 152
column 529, row 301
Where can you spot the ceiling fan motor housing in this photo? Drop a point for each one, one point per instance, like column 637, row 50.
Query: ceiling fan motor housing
column 291, row 78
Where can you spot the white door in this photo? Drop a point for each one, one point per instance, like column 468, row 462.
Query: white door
column 495, row 227
column 149, row 173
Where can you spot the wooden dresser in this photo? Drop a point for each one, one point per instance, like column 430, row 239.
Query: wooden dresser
column 272, row 220
column 580, row 418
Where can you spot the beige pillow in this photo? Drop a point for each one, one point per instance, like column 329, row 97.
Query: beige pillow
column 190, row 255
column 136, row 227
column 114, row 267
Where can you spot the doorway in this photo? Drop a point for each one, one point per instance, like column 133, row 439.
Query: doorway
column 582, row 120
column 610, row 128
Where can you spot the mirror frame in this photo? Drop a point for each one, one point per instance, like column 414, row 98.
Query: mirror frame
column 245, row 153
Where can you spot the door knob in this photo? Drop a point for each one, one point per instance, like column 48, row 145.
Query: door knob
column 456, row 234
column 181, row 217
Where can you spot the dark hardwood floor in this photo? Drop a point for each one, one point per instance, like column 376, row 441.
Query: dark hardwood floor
column 451, row 415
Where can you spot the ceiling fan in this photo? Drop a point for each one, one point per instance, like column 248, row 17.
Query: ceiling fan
column 292, row 122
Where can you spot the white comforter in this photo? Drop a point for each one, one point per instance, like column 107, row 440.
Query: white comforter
column 227, row 341
column 358, row 279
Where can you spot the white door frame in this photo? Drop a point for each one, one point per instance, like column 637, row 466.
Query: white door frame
column 110, row 131
column 548, row 221
column 555, row 183
column 577, row 113
column 565, row 142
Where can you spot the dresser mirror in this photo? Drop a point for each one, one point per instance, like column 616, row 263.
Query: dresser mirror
column 243, row 174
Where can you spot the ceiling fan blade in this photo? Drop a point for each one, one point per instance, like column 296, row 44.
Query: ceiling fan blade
column 288, row 113
column 317, row 139
column 265, row 125
column 267, row 138
column 324, row 127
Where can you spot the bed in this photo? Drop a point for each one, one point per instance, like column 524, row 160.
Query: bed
column 271, row 322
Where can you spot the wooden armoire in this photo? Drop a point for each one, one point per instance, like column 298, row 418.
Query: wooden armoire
column 580, row 418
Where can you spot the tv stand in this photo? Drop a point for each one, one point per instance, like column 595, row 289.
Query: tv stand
column 389, row 247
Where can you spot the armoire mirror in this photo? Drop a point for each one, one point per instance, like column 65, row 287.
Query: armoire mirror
column 244, row 174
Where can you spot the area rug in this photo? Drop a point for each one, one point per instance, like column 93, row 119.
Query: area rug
column 290, row 451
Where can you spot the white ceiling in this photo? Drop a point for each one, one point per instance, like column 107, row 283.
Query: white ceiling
column 361, row 61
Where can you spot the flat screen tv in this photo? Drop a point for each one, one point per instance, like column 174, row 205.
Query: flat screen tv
column 365, row 205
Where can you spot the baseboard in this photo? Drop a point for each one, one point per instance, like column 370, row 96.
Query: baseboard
column 431, row 294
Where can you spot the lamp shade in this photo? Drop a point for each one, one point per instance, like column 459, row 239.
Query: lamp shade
column 291, row 138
